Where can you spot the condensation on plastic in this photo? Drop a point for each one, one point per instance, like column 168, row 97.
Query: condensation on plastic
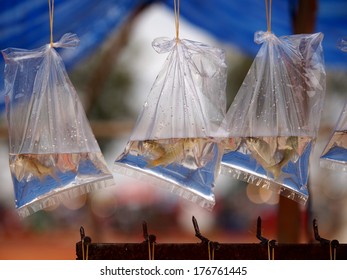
column 180, row 121
column 334, row 155
column 187, row 99
column 53, row 152
column 275, row 115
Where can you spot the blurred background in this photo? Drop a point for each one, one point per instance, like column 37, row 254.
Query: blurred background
column 113, row 70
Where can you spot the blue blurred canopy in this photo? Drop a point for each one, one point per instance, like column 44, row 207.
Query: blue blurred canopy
column 25, row 23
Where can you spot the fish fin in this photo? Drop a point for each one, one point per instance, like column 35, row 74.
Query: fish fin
column 43, row 177
column 152, row 163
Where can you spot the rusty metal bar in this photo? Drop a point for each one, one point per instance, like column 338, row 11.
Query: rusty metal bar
column 199, row 251
column 265, row 250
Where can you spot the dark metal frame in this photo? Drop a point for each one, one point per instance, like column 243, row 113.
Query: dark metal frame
column 265, row 250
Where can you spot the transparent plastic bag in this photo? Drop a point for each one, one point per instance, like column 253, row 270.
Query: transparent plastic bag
column 176, row 140
column 53, row 154
column 274, row 118
column 334, row 155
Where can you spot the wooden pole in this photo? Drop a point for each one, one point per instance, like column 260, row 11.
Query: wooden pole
column 289, row 212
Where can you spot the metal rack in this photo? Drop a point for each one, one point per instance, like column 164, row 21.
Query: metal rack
column 266, row 249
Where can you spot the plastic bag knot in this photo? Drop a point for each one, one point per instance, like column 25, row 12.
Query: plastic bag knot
column 163, row 44
column 261, row 36
column 342, row 44
column 68, row 40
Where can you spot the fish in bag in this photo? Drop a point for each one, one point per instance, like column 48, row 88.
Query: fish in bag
column 334, row 155
column 53, row 154
column 273, row 121
column 176, row 141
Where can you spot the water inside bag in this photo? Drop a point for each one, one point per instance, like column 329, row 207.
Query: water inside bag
column 41, row 180
column 335, row 153
column 278, row 163
column 187, row 166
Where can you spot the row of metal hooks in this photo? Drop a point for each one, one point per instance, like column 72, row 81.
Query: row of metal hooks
column 196, row 251
column 271, row 244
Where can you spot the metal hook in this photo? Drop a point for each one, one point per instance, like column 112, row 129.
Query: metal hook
column 198, row 233
column 85, row 242
column 215, row 245
column 82, row 233
column 263, row 240
column 148, row 237
column 145, row 231
column 316, row 234
column 333, row 243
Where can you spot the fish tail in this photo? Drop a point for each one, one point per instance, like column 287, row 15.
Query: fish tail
column 275, row 170
column 42, row 176
column 161, row 161
column 152, row 163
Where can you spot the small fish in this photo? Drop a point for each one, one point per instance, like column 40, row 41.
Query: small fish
column 261, row 151
column 190, row 144
column 153, row 149
column 289, row 150
column 193, row 153
column 340, row 139
column 67, row 162
column 26, row 165
column 231, row 144
column 172, row 152
column 276, row 169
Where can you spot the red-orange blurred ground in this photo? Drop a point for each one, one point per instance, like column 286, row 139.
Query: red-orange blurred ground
column 53, row 235
column 44, row 246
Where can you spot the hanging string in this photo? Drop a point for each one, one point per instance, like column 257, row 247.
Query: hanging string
column 268, row 7
column 177, row 17
column 51, row 12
